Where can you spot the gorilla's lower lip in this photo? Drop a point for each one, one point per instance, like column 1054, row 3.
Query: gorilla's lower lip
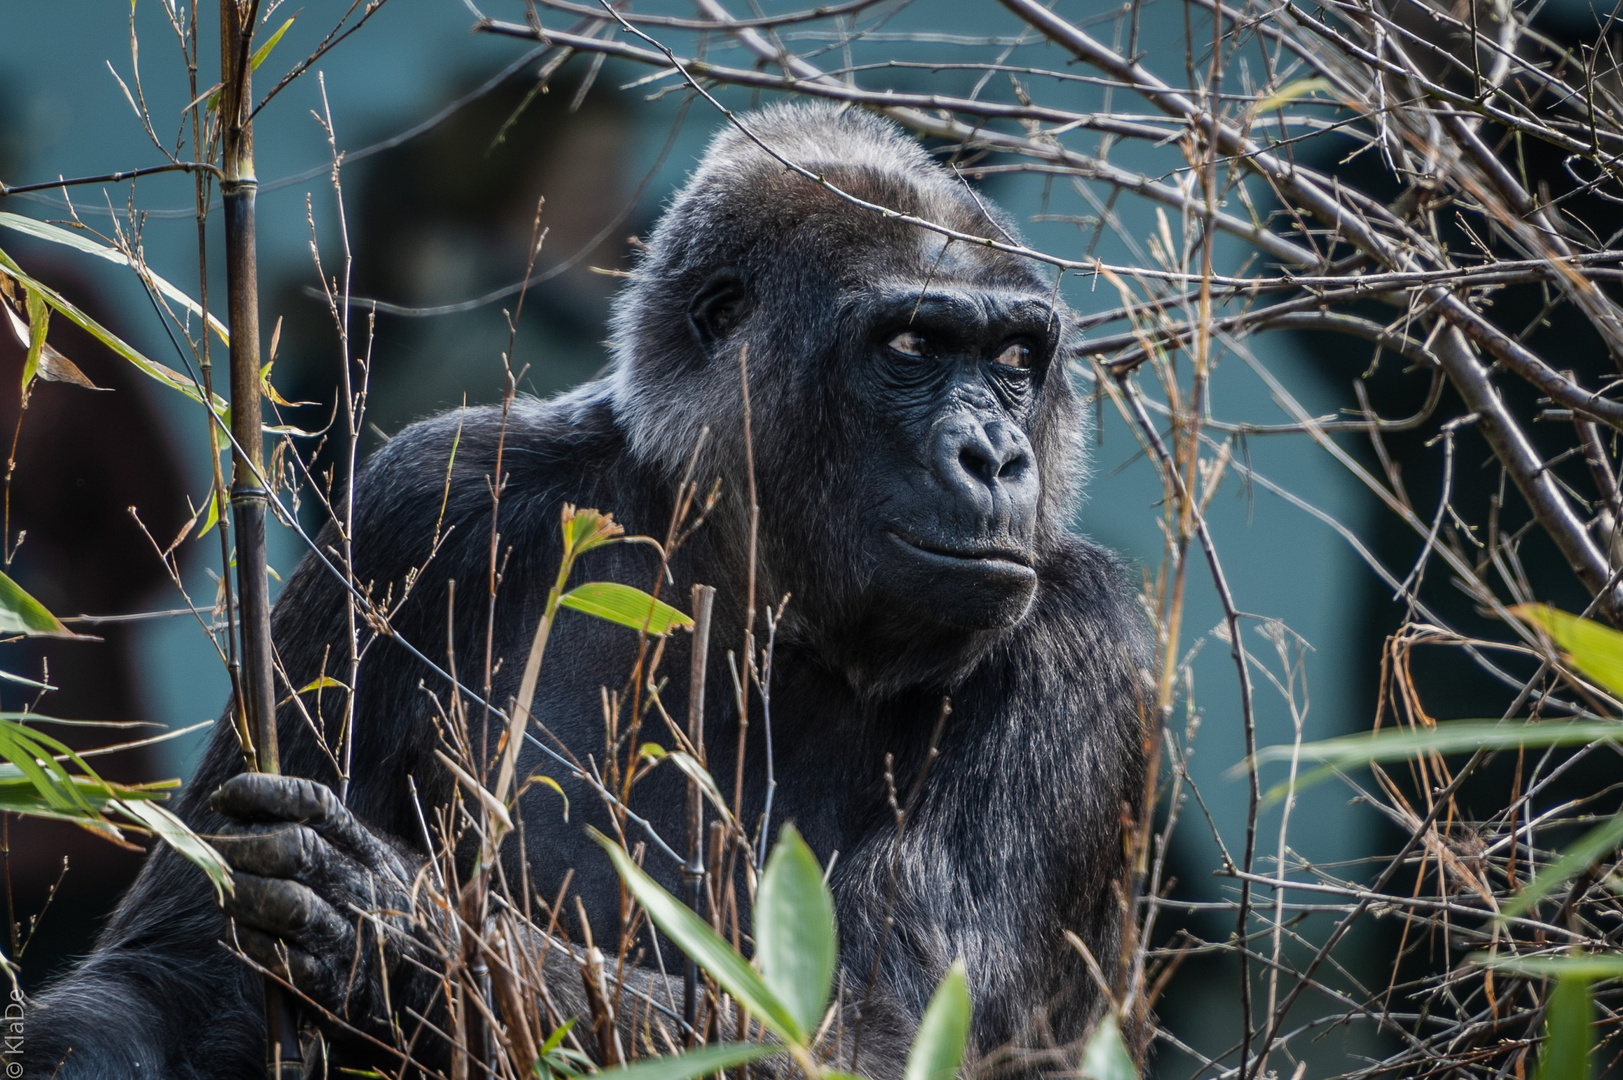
column 966, row 554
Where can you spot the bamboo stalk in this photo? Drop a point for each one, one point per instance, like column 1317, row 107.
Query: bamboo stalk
column 693, row 870
column 238, row 187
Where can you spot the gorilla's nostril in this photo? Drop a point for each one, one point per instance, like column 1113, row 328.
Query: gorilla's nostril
column 976, row 464
column 1013, row 469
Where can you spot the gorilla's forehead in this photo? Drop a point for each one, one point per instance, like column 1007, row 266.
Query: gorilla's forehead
column 939, row 257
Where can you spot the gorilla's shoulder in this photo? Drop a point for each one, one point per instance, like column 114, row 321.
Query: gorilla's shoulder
column 557, row 429
column 441, row 464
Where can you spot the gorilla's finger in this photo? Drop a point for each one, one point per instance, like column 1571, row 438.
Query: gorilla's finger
column 345, row 832
column 286, row 909
column 268, row 797
column 314, row 976
column 288, row 851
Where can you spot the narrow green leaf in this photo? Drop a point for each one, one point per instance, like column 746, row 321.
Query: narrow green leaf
column 1106, row 1056
column 555, row 786
column 794, row 929
column 42, row 230
column 270, row 43
column 1592, row 966
column 31, row 754
column 938, row 1048
column 625, row 605
column 322, row 682
column 1588, row 849
column 557, row 1037
column 173, row 831
column 694, row 937
column 1568, row 1034
column 695, row 772
column 700, row 1062
column 166, row 375
column 39, row 318
column 1449, row 737
column 1595, row 650
column 1290, row 92
column 586, row 528
column 22, row 614
column 213, row 517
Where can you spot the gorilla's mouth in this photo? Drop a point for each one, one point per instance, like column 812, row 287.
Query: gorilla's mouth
column 984, row 555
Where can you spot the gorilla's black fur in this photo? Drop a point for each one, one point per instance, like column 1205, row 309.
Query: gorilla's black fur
column 916, row 447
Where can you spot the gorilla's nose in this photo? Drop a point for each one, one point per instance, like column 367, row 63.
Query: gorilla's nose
column 987, row 463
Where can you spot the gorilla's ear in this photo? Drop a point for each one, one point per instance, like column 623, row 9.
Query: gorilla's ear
column 714, row 309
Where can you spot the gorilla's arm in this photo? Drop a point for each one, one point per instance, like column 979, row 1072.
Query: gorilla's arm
column 341, row 912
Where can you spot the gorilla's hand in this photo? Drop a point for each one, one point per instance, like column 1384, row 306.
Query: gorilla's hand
column 315, row 892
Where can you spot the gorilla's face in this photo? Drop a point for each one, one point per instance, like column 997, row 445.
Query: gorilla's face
column 949, row 377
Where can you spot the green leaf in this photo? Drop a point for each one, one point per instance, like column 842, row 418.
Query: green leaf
column 625, row 605
column 166, row 375
column 938, row 1048
column 1592, row 966
column 1106, row 1056
column 694, row 937
column 173, row 831
column 270, row 43
column 1449, row 737
column 322, row 682
column 1568, row 1033
column 1588, row 849
column 39, row 318
column 213, row 517
column 555, row 786
column 585, row 529
column 794, row 930
column 55, row 234
column 22, row 614
column 700, row 1062
column 694, row 771
column 1595, row 650
column 1290, row 92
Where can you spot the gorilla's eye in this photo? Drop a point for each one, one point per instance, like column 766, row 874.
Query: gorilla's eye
column 1015, row 356
column 910, row 344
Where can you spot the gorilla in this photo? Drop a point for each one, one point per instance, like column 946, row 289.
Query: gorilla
column 916, row 453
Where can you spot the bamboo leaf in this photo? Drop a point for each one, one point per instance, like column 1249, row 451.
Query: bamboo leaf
column 1592, row 966
column 270, row 43
column 39, row 318
column 585, row 529
column 171, row 830
column 1106, row 1056
column 694, row 937
column 322, row 682
column 55, row 234
column 1450, row 737
column 700, row 1062
column 555, row 786
column 151, row 368
column 1595, row 650
column 1290, row 92
column 1568, row 1032
column 625, row 605
column 1584, row 852
column 938, row 1048
column 694, row 771
column 794, row 929
column 22, row 614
